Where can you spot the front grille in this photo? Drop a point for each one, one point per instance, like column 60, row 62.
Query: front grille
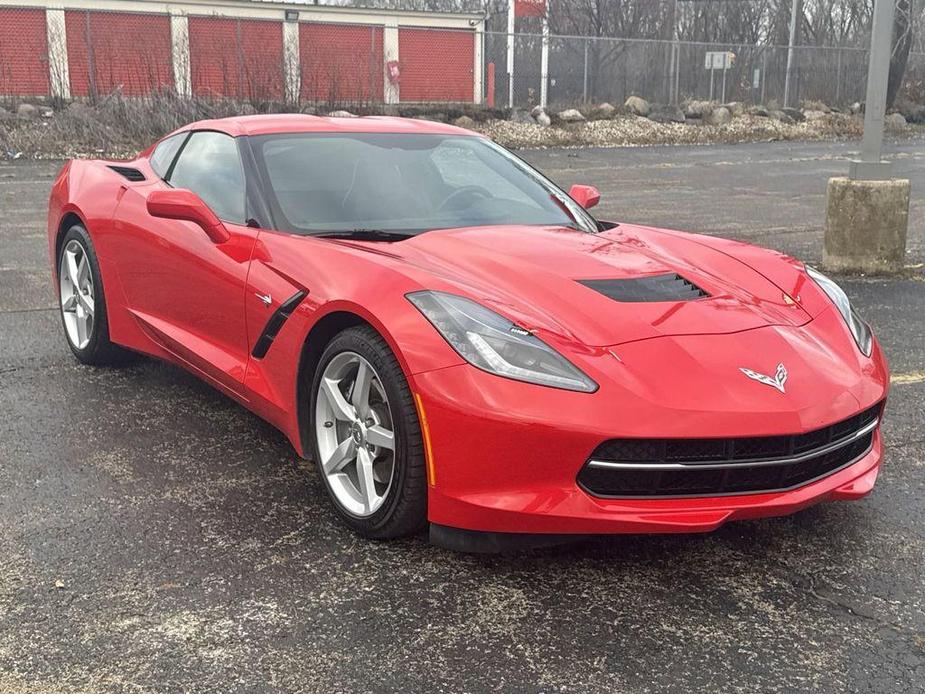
column 668, row 287
column 640, row 468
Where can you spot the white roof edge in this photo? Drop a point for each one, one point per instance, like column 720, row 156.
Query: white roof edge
column 306, row 8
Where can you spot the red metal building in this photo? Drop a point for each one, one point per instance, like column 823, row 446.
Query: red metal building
column 243, row 49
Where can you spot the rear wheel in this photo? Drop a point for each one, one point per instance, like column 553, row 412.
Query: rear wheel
column 82, row 301
column 366, row 437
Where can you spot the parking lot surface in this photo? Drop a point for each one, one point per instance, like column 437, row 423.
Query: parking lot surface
column 154, row 536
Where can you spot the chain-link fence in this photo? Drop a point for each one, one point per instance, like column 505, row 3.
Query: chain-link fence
column 594, row 70
column 84, row 52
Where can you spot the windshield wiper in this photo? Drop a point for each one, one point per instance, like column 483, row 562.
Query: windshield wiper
column 365, row 234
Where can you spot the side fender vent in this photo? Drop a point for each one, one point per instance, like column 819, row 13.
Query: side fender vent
column 668, row 287
column 275, row 324
column 128, row 173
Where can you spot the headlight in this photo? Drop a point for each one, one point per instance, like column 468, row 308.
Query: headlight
column 494, row 344
column 856, row 325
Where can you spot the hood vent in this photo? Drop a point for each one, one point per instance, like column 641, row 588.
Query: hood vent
column 668, row 287
column 127, row 172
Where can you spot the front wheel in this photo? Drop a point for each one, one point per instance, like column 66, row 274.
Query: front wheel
column 366, row 437
column 82, row 301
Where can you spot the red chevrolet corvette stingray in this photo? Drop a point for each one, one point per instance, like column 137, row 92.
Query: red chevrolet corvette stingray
column 456, row 341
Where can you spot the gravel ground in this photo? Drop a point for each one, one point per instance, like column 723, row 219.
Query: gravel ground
column 630, row 131
column 157, row 537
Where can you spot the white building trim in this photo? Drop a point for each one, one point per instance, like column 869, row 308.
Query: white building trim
column 179, row 51
column 479, row 61
column 292, row 62
column 391, row 91
column 58, row 72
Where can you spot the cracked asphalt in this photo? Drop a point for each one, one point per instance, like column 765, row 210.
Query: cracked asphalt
column 154, row 536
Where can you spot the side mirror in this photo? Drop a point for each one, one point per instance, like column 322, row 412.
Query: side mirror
column 185, row 205
column 586, row 196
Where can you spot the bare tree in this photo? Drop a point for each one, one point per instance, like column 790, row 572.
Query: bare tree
column 902, row 43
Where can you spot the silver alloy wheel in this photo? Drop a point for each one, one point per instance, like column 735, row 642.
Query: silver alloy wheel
column 76, row 283
column 355, row 434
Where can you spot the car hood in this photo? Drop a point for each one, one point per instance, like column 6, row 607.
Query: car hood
column 535, row 275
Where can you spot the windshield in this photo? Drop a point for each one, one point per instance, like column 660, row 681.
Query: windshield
column 404, row 184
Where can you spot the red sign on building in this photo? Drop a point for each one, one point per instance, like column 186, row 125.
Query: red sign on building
column 529, row 8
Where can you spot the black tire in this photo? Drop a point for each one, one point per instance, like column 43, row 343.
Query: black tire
column 404, row 510
column 99, row 350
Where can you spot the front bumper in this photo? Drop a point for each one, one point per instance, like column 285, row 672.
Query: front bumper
column 579, row 513
column 506, row 455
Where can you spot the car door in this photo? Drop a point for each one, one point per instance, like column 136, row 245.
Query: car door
column 185, row 290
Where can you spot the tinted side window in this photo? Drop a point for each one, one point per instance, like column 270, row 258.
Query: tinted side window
column 163, row 154
column 211, row 167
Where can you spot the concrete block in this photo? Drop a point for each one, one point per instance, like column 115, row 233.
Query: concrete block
column 865, row 225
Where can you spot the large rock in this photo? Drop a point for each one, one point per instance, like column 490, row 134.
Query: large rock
column 815, row 105
column 666, row 113
column 341, row 114
column 638, row 106
column 759, row 111
column 912, row 112
column 865, row 225
column 435, row 117
column 607, row 110
column 736, row 108
column 780, row 116
column 718, row 116
column 795, row 113
column 571, row 115
column 856, row 108
column 464, row 122
column 27, row 111
column 895, row 122
column 544, row 119
column 815, row 115
column 698, row 109
column 81, row 109
column 519, row 116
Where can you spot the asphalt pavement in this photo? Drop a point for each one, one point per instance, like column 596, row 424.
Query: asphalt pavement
column 155, row 536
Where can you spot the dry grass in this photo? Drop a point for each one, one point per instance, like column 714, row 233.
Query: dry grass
column 114, row 126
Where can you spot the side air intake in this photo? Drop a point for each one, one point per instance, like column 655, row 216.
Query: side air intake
column 127, row 172
column 668, row 287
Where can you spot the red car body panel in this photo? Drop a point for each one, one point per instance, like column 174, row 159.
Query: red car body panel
column 505, row 453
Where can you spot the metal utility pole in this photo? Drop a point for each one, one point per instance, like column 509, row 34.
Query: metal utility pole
column 584, row 81
column 793, row 34
column 867, row 213
column 675, row 56
column 510, row 54
column 544, row 63
column 871, row 166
